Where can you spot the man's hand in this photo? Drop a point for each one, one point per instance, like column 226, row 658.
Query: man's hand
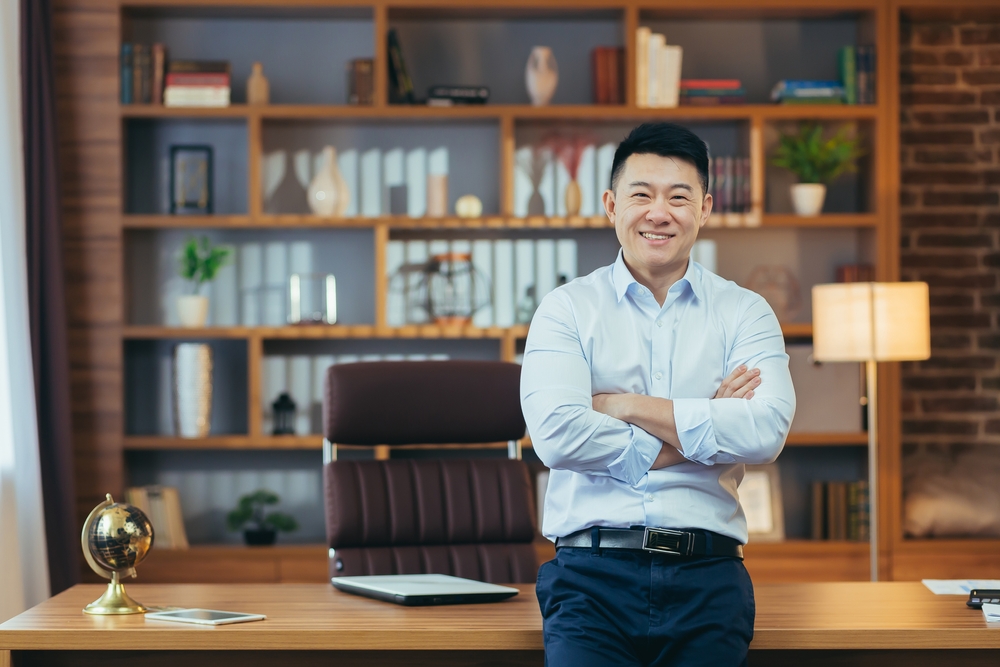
column 739, row 384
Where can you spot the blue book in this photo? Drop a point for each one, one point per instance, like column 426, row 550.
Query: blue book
column 126, row 91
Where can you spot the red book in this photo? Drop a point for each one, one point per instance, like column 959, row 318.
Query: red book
column 197, row 79
column 713, row 84
column 611, row 58
column 159, row 64
column 598, row 74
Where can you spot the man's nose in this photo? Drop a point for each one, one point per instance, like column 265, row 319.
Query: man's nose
column 658, row 211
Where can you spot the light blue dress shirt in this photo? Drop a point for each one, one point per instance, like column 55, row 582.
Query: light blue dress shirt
column 605, row 333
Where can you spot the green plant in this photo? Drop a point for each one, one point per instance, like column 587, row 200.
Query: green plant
column 815, row 159
column 250, row 513
column 200, row 261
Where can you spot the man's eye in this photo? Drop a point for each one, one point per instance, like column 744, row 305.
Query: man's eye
column 640, row 194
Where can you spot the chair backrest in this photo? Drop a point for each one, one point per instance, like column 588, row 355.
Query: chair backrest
column 466, row 517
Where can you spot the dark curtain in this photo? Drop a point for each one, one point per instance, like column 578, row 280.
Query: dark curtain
column 46, row 298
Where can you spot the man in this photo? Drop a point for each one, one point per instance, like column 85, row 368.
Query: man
column 646, row 387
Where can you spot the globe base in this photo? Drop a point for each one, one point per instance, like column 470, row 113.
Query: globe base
column 115, row 601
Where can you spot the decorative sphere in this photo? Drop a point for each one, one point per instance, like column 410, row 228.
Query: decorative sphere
column 119, row 537
column 468, row 206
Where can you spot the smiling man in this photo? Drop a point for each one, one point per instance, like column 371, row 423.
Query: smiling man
column 646, row 387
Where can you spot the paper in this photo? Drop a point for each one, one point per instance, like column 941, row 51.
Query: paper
column 958, row 586
column 991, row 612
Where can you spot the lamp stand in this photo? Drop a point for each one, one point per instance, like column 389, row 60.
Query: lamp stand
column 871, row 370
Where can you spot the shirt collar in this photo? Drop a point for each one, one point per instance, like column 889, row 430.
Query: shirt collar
column 622, row 277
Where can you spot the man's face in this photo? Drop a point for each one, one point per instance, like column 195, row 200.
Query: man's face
column 657, row 209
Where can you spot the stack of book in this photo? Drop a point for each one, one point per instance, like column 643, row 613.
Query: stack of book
column 142, row 68
column 359, row 81
column 729, row 184
column 840, row 511
column 657, row 70
column 447, row 96
column 856, row 65
column 162, row 505
column 707, row 92
column 607, row 65
column 807, row 91
column 197, row 83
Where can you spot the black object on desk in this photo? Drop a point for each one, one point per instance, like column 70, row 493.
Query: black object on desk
column 977, row 596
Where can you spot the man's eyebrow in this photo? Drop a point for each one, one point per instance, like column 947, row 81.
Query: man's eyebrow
column 644, row 184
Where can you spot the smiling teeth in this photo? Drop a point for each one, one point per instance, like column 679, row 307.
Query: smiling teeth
column 654, row 237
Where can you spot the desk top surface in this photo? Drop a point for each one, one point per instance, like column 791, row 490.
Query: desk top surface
column 318, row 617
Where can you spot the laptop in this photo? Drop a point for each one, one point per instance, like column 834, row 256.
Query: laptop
column 417, row 590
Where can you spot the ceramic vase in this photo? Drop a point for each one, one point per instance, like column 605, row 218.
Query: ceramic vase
column 192, row 389
column 807, row 198
column 192, row 310
column 541, row 76
column 258, row 89
column 328, row 193
column 573, row 198
column 437, row 195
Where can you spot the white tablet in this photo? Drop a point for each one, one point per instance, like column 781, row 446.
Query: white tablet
column 204, row 616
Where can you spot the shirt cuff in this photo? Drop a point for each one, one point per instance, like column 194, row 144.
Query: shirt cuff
column 634, row 462
column 693, row 419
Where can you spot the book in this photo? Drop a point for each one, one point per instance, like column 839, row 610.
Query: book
column 197, row 79
column 126, row 62
column 546, row 279
column 416, row 182
column 360, row 81
column 642, row 37
column 566, row 261
column 159, row 52
column 300, row 389
column 196, row 96
column 459, row 94
column 139, row 60
column 370, row 200
column 712, row 84
column 599, row 74
column 394, row 182
column 503, row 283
column 175, row 519
column 273, row 310
column 817, row 510
column 347, row 161
column 225, row 294
column 670, row 75
column 251, row 271
column 201, row 66
column 525, row 296
column 657, row 43
column 847, row 66
column 400, row 86
column 395, row 256
column 482, row 261
column 416, row 257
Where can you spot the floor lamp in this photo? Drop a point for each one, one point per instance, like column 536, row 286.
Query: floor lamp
column 871, row 322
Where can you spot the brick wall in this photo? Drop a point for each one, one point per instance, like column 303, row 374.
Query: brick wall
column 950, row 160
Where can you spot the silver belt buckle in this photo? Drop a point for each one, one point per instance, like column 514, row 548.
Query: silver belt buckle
column 665, row 541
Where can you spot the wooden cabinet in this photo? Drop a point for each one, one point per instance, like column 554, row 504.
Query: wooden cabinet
column 122, row 241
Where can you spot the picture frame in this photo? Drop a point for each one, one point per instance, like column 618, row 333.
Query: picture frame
column 191, row 180
column 760, row 497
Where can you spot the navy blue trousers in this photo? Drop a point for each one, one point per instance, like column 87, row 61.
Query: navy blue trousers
column 622, row 607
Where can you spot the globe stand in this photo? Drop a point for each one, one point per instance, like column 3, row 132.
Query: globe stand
column 115, row 600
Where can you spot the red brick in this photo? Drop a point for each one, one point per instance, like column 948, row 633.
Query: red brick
column 941, row 177
column 939, row 383
column 981, row 77
column 971, row 117
column 990, row 97
column 952, row 157
column 993, row 426
column 916, row 57
column 925, row 220
column 927, row 78
column 981, row 35
column 962, row 321
column 977, row 280
column 991, row 259
column 991, row 383
column 908, row 405
column 955, row 241
column 915, row 427
column 961, row 198
column 950, row 341
column 908, row 198
column 991, row 220
column 957, row 58
column 962, row 404
column 989, row 137
column 989, row 342
column 991, row 177
column 934, row 34
column 950, row 137
column 989, row 57
column 949, row 97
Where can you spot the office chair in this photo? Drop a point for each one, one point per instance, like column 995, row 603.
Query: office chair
column 470, row 518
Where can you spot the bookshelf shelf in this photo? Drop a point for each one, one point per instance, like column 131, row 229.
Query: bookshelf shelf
column 827, row 439
column 272, row 442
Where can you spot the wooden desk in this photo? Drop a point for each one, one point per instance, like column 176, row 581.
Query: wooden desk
column 815, row 624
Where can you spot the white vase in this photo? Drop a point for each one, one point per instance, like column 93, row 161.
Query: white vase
column 328, row 192
column 541, row 76
column 192, row 366
column 807, row 198
column 192, row 310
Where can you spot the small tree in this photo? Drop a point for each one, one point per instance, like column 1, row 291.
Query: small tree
column 201, row 261
column 250, row 514
column 814, row 159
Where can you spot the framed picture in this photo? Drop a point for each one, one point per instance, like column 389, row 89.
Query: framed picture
column 760, row 496
column 191, row 180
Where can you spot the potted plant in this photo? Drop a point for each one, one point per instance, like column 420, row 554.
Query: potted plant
column 816, row 162
column 199, row 263
column 259, row 527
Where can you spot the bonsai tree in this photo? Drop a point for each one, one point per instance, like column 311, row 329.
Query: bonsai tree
column 200, row 261
column 814, row 159
column 250, row 515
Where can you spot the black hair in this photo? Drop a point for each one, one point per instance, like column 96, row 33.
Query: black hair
column 665, row 140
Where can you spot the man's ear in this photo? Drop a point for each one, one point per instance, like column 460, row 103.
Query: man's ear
column 608, row 198
column 706, row 209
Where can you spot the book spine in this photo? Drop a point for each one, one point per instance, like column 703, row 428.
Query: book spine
column 848, row 73
column 126, row 74
column 642, row 35
column 817, row 493
column 196, row 79
column 503, row 283
column 210, row 96
column 482, row 262
column 137, row 67
column 598, row 75
column 159, row 65
column 402, row 86
column 526, row 298
column 395, row 256
column 657, row 42
column 218, row 66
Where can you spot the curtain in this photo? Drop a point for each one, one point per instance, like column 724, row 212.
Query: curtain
column 46, row 298
column 24, row 572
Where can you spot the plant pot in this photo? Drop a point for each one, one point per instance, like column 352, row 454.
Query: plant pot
column 807, row 198
column 260, row 537
column 192, row 310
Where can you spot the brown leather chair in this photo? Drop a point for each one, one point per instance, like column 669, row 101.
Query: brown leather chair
column 470, row 518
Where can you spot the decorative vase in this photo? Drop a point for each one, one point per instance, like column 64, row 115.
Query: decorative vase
column 328, row 194
column 192, row 309
column 260, row 537
column 807, row 198
column 541, row 76
column 258, row 89
column 573, row 198
column 192, row 366
column 437, row 195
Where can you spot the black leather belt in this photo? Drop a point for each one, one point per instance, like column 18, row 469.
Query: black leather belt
column 656, row 540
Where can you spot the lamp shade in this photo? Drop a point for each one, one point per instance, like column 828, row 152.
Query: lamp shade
column 871, row 322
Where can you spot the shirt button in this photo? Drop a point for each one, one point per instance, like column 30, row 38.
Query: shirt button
column 658, row 376
column 649, row 497
column 659, row 323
